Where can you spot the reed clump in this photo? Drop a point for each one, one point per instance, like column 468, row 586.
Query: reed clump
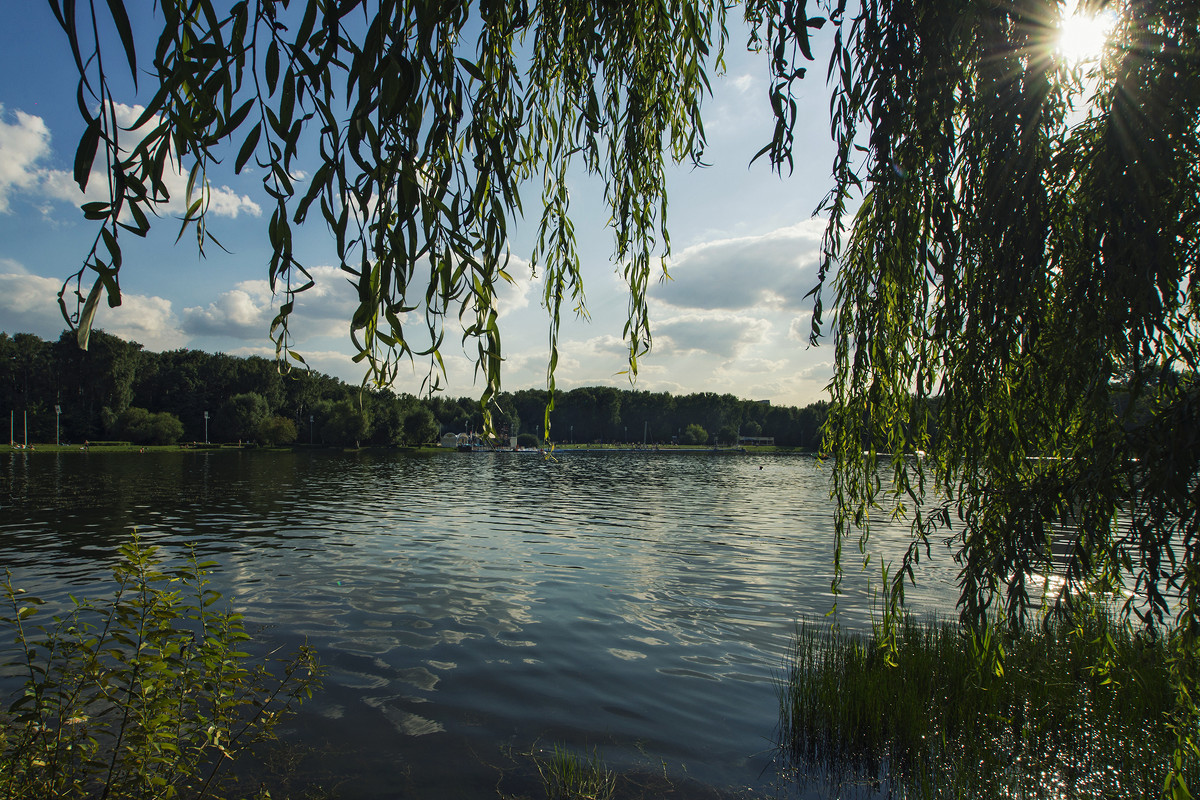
column 569, row 776
column 1081, row 706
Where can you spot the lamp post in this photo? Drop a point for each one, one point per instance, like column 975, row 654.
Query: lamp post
column 572, row 434
column 206, row 427
column 310, row 435
column 57, row 412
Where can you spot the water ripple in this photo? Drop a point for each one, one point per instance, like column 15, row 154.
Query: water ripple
column 638, row 602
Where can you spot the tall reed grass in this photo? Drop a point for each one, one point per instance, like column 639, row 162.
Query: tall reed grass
column 1080, row 707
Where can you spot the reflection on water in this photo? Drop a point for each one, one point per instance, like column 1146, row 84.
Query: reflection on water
column 472, row 605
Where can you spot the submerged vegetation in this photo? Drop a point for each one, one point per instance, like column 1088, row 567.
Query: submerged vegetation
column 1082, row 706
column 146, row 695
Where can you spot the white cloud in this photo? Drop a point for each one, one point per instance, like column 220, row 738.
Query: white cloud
column 720, row 334
column 23, row 145
column 515, row 296
column 744, row 83
column 146, row 320
column 243, row 312
column 800, row 327
column 246, row 311
column 772, row 271
column 28, row 303
column 223, row 201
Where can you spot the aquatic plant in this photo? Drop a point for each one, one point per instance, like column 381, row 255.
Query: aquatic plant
column 145, row 695
column 568, row 776
column 1083, row 707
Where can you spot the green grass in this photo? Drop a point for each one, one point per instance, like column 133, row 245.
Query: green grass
column 568, row 776
column 1080, row 708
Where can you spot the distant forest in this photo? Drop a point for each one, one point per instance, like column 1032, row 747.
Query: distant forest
column 119, row 391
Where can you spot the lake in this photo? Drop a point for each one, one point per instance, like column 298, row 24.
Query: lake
column 474, row 608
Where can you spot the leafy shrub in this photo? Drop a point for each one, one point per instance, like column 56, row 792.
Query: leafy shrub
column 694, row 434
column 275, row 431
column 144, row 427
column 145, row 695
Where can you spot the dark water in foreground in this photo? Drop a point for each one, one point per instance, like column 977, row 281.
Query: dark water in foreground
column 473, row 608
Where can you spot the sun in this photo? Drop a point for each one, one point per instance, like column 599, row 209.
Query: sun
column 1084, row 35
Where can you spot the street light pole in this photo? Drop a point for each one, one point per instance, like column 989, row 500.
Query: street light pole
column 310, row 435
column 206, row 427
column 57, row 412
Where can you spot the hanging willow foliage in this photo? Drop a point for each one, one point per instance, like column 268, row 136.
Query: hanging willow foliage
column 426, row 117
column 1011, row 276
column 1015, row 295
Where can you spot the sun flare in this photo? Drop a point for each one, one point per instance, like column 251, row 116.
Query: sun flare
column 1084, row 35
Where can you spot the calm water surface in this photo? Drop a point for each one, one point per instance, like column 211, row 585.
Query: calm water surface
column 473, row 608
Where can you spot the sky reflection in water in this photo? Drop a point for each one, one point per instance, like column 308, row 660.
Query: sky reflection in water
column 472, row 606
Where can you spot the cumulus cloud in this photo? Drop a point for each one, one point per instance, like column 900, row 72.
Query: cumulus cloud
column 147, row 320
column 800, row 327
column 28, row 303
column 246, row 311
column 25, row 151
column 24, row 144
column 223, row 201
column 744, row 83
column 724, row 335
column 516, row 296
column 772, row 271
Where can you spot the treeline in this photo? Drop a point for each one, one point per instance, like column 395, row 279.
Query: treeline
column 118, row 390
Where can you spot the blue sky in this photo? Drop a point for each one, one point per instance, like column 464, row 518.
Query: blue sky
column 734, row 319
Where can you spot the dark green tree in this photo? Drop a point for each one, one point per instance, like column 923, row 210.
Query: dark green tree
column 241, row 417
column 90, row 382
column 275, row 431
column 694, row 434
column 140, row 426
column 419, row 426
column 345, row 424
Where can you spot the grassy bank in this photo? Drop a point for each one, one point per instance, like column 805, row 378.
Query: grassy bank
column 1081, row 708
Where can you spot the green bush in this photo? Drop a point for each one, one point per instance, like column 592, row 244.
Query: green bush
column 694, row 434
column 275, row 431
column 145, row 695
column 144, row 427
